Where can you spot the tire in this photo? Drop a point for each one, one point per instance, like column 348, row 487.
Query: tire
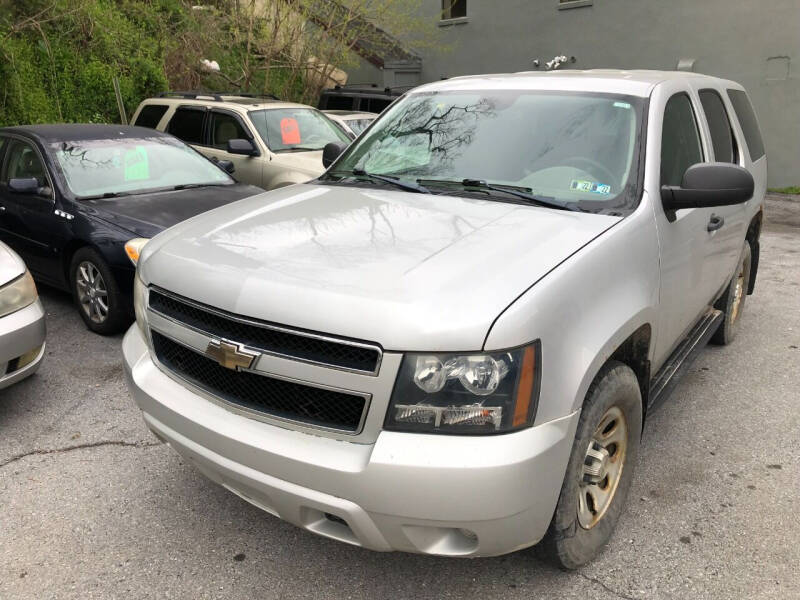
column 96, row 294
column 577, row 533
column 731, row 303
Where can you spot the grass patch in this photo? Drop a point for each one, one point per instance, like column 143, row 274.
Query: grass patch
column 792, row 189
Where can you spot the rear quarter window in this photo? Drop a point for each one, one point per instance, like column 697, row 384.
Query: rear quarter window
column 747, row 119
column 150, row 115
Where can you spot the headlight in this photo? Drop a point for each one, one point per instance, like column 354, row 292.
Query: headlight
column 133, row 248
column 480, row 393
column 17, row 295
column 140, row 304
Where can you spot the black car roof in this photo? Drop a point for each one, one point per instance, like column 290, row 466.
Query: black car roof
column 70, row 132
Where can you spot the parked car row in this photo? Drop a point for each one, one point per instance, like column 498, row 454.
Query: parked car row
column 447, row 342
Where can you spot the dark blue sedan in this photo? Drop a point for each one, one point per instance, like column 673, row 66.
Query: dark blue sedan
column 78, row 202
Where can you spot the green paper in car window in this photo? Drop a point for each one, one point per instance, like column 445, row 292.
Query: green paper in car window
column 136, row 165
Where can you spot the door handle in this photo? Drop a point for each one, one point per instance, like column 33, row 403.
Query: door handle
column 715, row 222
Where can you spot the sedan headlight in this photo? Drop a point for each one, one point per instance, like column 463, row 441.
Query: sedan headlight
column 140, row 304
column 17, row 295
column 480, row 393
column 133, row 248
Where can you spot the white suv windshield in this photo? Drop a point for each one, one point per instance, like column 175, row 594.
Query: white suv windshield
column 579, row 148
column 133, row 165
column 295, row 129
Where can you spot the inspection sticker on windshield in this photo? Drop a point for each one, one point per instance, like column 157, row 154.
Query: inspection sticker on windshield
column 590, row 186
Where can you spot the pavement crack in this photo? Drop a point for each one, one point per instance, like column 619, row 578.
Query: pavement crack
column 595, row 580
column 65, row 449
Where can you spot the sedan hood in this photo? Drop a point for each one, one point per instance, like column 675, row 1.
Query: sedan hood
column 408, row 271
column 146, row 215
column 11, row 265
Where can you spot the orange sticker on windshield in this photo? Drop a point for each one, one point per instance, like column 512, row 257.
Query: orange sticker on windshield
column 290, row 131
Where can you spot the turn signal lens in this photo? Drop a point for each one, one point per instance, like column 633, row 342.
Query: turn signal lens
column 133, row 249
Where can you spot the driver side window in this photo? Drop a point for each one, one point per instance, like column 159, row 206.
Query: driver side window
column 680, row 140
column 22, row 162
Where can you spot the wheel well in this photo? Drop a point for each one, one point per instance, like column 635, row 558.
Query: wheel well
column 752, row 236
column 634, row 352
column 66, row 258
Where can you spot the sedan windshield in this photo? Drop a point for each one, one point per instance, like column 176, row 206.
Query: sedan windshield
column 579, row 149
column 295, row 129
column 118, row 167
column 359, row 125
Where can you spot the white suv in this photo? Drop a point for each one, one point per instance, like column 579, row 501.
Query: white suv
column 270, row 143
column 449, row 342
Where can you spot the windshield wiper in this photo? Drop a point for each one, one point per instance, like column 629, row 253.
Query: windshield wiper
column 408, row 186
column 518, row 191
column 299, row 149
column 103, row 195
column 186, row 186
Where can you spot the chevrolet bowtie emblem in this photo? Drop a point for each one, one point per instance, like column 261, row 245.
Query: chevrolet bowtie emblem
column 229, row 355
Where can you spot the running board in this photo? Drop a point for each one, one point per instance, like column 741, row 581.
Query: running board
column 679, row 361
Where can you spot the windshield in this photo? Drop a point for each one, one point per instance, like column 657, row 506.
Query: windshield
column 133, row 165
column 580, row 148
column 358, row 125
column 295, row 129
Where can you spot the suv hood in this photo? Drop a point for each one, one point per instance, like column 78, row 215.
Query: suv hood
column 146, row 215
column 408, row 271
column 309, row 162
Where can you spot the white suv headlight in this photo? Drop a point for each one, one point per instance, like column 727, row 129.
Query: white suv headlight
column 140, row 304
column 17, row 295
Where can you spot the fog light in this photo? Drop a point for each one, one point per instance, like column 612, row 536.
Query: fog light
column 27, row 358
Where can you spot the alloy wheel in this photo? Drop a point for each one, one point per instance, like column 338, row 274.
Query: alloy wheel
column 92, row 292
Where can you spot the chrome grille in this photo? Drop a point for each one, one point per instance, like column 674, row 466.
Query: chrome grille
column 261, row 393
column 350, row 355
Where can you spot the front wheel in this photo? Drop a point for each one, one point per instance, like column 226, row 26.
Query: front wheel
column 96, row 293
column 599, row 472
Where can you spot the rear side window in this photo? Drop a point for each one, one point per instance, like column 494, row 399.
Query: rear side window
column 680, row 141
column 334, row 102
column 719, row 125
column 187, row 125
column 747, row 119
column 374, row 105
column 150, row 115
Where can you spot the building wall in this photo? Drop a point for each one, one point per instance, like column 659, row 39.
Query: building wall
column 754, row 42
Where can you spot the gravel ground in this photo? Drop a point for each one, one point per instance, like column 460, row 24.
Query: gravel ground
column 94, row 507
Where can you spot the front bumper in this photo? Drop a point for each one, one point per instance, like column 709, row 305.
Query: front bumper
column 22, row 334
column 432, row 494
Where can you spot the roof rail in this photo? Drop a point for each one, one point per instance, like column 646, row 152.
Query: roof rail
column 191, row 95
column 248, row 95
column 216, row 96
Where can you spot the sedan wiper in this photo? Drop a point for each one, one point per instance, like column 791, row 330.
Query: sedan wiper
column 518, row 191
column 186, row 186
column 103, row 195
column 408, row 186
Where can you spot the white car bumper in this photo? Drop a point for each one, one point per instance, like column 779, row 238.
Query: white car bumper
column 22, row 335
column 432, row 494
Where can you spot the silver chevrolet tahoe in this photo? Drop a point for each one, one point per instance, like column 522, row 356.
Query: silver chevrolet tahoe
column 448, row 343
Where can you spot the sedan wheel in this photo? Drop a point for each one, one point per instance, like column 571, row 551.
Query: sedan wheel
column 92, row 292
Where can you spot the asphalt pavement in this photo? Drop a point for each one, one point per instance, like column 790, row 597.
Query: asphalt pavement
column 92, row 506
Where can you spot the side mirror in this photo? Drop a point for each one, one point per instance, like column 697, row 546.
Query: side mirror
column 28, row 185
column 241, row 146
column 227, row 166
column 709, row 184
column 331, row 152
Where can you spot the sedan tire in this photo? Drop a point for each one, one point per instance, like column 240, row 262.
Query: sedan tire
column 96, row 293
